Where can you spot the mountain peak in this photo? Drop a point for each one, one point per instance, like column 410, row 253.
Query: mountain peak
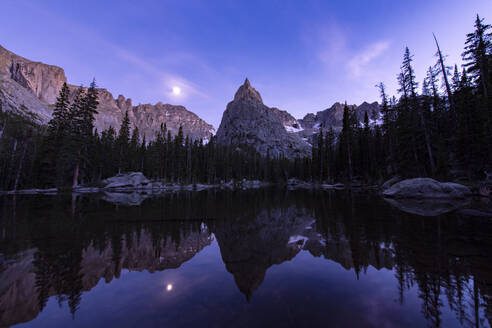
column 248, row 93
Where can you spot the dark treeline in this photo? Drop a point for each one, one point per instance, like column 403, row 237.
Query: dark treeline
column 443, row 131
column 432, row 133
column 69, row 151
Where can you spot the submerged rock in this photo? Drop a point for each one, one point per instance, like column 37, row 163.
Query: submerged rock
column 421, row 188
column 128, row 199
column 130, row 179
column 427, row 207
column 332, row 186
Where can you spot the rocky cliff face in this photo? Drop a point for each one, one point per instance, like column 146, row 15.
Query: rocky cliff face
column 30, row 88
column 44, row 81
column 247, row 120
column 333, row 116
column 290, row 124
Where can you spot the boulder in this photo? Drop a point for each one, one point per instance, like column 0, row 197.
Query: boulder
column 421, row 188
column 125, row 180
column 427, row 207
column 126, row 199
column 391, row 182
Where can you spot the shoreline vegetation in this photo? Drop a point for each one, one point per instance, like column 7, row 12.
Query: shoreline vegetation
column 444, row 133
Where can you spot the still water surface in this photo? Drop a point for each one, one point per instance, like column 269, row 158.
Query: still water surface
column 254, row 258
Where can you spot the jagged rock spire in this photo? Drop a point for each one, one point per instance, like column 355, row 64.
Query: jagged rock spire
column 248, row 93
column 247, row 121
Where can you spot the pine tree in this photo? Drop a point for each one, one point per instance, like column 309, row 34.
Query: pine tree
column 365, row 151
column 477, row 57
column 478, row 47
column 388, row 113
column 456, row 79
column 330, row 153
column 58, row 125
column 123, row 143
column 346, row 139
column 82, row 112
column 407, row 123
column 58, row 129
column 134, row 156
column 408, row 85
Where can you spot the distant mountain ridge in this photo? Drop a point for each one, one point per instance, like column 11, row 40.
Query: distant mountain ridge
column 31, row 88
column 333, row 116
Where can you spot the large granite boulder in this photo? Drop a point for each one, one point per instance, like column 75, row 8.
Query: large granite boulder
column 126, row 180
column 247, row 121
column 421, row 188
column 388, row 183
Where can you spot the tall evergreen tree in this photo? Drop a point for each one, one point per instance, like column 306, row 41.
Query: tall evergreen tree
column 83, row 114
column 50, row 164
column 478, row 48
column 123, row 143
column 346, row 140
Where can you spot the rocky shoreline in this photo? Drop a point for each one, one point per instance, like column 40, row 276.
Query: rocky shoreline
column 417, row 188
column 419, row 196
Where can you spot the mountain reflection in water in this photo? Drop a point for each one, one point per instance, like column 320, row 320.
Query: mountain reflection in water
column 327, row 254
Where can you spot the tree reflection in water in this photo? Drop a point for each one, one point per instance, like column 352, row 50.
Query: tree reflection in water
column 53, row 247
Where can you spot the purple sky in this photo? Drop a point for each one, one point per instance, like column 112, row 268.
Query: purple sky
column 302, row 56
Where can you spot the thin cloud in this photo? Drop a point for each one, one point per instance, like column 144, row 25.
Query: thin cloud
column 360, row 61
column 165, row 81
column 327, row 41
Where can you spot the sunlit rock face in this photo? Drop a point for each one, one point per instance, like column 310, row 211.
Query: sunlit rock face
column 247, row 121
column 44, row 81
column 31, row 88
column 33, row 277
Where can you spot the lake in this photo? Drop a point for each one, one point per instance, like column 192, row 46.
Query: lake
column 245, row 258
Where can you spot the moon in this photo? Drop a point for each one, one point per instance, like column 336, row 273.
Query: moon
column 176, row 91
